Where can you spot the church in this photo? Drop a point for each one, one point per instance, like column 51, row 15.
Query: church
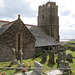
column 29, row 38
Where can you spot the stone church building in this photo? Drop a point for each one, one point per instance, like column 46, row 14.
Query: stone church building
column 28, row 38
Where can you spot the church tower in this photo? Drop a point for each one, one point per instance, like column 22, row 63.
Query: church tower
column 48, row 18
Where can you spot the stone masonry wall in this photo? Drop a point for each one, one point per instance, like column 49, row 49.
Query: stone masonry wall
column 48, row 18
column 8, row 40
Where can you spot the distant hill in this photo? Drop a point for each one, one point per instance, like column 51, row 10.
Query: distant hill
column 72, row 39
column 67, row 40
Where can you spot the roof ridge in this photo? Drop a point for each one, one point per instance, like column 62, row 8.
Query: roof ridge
column 4, row 21
column 24, row 24
column 33, row 25
column 8, row 23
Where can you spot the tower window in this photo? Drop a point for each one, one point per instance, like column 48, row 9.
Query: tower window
column 43, row 16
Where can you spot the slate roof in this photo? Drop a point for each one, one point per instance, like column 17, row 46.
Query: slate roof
column 42, row 39
column 4, row 28
column 2, row 23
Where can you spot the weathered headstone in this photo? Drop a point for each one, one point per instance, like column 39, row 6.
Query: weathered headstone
column 69, row 57
column 74, row 48
column 64, row 65
column 64, row 56
column 21, row 56
column 61, row 56
column 51, row 57
column 44, row 55
column 21, row 64
column 14, row 60
column 38, row 68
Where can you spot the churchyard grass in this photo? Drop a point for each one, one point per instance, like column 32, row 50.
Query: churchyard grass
column 71, row 41
column 30, row 63
column 72, row 65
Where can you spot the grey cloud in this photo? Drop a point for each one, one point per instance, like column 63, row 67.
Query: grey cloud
column 73, row 15
column 67, row 34
column 65, row 13
column 14, row 7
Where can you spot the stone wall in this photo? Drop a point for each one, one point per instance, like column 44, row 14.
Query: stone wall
column 37, row 49
column 8, row 40
column 5, row 53
column 48, row 18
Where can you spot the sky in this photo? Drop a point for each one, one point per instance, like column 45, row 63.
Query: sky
column 28, row 9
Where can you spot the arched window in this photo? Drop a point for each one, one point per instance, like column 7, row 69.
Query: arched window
column 19, row 43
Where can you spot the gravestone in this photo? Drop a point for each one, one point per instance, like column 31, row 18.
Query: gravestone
column 14, row 60
column 69, row 57
column 64, row 56
column 21, row 56
column 61, row 56
column 74, row 48
column 38, row 68
column 44, row 55
column 51, row 57
column 64, row 65
column 21, row 64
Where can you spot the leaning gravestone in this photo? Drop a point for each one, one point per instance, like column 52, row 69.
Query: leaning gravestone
column 44, row 55
column 51, row 57
column 14, row 60
column 38, row 68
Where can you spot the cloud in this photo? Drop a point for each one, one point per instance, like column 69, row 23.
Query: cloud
column 1, row 4
column 28, row 9
column 73, row 15
column 35, row 3
column 32, row 20
column 26, row 20
column 13, row 7
column 68, row 34
column 65, row 13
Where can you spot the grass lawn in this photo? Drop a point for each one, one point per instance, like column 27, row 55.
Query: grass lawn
column 30, row 62
column 71, row 41
column 72, row 65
